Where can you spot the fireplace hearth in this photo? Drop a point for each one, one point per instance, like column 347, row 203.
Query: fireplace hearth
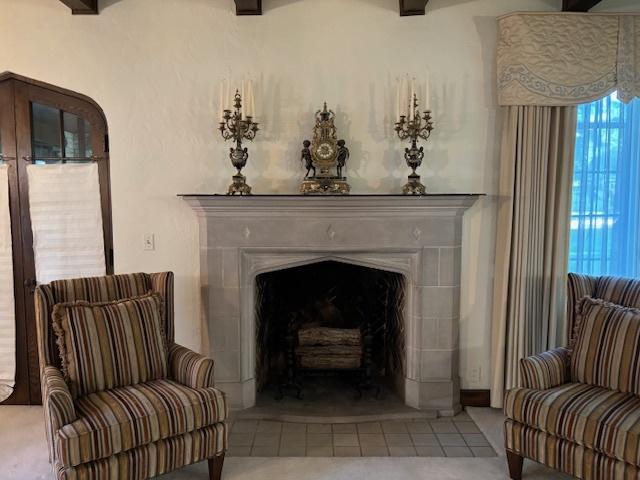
column 414, row 240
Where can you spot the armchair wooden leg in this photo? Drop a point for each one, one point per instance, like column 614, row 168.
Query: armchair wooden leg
column 215, row 467
column 515, row 465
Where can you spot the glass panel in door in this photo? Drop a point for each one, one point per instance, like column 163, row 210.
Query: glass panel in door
column 77, row 136
column 46, row 138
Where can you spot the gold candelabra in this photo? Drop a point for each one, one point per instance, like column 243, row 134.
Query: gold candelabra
column 413, row 128
column 238, row 127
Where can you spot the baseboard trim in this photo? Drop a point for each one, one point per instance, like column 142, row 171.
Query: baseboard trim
column 475, row 398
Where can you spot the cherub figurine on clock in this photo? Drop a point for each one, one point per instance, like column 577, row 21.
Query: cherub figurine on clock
column 326, row 156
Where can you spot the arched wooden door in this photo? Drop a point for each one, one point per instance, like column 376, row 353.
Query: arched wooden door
column 40, row 124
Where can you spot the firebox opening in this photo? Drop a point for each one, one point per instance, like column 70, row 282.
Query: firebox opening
column 335, row 324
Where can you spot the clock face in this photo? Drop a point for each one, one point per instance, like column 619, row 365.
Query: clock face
column 325, row 151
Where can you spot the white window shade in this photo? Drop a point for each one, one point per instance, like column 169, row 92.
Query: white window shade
column 7, row 302
column 66, row 220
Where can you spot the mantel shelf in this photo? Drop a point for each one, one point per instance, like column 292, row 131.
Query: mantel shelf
column 371, row 205
column 299, row 196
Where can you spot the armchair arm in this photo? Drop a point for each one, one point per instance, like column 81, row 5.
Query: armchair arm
column 58, row 405
column 545, row 370
column 57, row 399
column 190, row 368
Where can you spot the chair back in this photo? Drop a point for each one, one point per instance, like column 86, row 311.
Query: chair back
column 96, row 289
column 618, row 290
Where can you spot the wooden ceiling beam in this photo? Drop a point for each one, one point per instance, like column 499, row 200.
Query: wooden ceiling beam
column 578, row 5
column 254, row 7
column 82, row 7
column 248, row 7
column 412, row 7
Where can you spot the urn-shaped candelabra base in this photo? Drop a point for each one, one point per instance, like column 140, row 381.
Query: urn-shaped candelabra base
column 239, row 185
column 413, row 186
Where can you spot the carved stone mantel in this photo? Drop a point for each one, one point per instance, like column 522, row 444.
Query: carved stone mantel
column 417, row 236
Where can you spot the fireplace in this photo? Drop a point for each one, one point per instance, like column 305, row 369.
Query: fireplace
column 331, row 296
column 415, row 240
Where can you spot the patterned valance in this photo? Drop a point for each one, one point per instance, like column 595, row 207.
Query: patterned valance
column 567, row 59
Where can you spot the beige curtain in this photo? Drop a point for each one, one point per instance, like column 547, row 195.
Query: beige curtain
column 532, row 237
column 7, row 305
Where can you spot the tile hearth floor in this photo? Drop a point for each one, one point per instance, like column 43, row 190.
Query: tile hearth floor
column 444, row 437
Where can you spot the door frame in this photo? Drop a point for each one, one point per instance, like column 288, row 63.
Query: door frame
column 23, row 91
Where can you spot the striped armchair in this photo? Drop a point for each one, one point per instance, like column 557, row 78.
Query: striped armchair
column 578, row 410
column 121, row 399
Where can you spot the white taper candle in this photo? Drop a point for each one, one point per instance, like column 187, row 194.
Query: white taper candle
column 427, row 95
column 403, row 96
column 221, row 99
column 253, row 99
column 247, row 100
column 397, row 99
column 227, row 94
column 412, row 110
column 244, row 97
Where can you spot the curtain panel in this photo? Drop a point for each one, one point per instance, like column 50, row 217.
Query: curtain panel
column 532, row 238
column 7, row 301
column 558, row 59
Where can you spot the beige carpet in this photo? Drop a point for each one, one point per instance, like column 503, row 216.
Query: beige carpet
column 23, row 455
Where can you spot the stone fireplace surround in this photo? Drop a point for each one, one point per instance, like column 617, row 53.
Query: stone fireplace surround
column 419, row 237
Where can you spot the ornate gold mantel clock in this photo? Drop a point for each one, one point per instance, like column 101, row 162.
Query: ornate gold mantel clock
column 325, row 156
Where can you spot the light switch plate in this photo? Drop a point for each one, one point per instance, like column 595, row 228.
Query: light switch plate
column 149, row 241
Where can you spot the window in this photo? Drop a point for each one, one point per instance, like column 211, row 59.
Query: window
column 59, row 134
column 605, row 211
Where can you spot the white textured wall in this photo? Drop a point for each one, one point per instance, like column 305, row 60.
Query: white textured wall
column 153, row 66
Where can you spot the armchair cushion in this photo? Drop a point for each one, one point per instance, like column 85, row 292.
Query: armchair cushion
column 117, row 420
column 594, row 417
column 190, row 368
column 607, row 351
column 109, row 345
column 545, row 370
column 153, row 459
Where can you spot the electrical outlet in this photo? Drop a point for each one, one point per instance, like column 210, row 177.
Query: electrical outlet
column 149, row 241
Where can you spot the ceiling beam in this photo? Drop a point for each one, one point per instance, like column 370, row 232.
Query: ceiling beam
column 412, row 7
column 82, row 7
column 248, row 7
column 578, row 5
column 254, row 7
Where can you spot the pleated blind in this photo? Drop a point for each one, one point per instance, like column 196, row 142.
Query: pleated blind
column 66, row 221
